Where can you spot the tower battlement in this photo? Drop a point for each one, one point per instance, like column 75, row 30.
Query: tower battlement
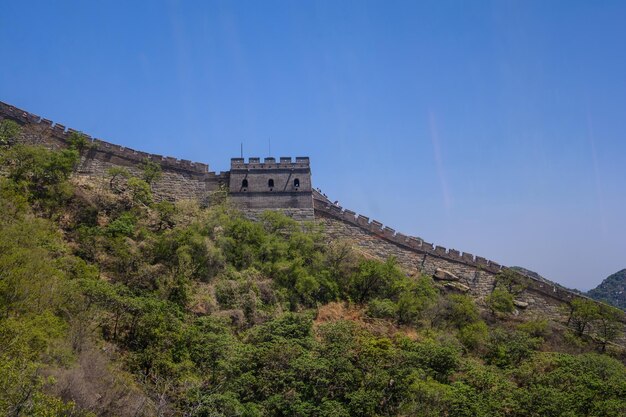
column 269, row 163
column 271, row 183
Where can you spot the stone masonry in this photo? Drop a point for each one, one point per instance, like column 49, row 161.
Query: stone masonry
column 256, row 186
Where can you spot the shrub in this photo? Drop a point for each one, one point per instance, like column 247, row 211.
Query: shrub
column 500, row 301
column 9, row 130
column 140, row 190
column 374, row 279
column 460, row 310
column 474, row 335
column 534, row 328
column 78, row 141
column 382, row 309
column 510, row 348
column 151, row 171
column 124, row 225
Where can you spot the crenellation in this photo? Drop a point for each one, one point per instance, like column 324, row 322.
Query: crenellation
column 143, row 155
column 31, row 118
column 401, row 238
column 467, row 257
column 494, row 266
column 481, row 261
column 376, row 226
column 388, row 232
column 349, row 216
column 285, row 185
column 362, row 220
column 336, row 209
column 414, row 243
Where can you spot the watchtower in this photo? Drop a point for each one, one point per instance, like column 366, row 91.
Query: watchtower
column 271, row 185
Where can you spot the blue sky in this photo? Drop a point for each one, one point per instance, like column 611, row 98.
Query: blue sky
column 496, row 128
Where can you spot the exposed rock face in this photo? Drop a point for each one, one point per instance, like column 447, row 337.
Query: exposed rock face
column 443, row 275
column 457, row 286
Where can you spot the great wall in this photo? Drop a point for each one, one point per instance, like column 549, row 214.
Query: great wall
column 286, row 185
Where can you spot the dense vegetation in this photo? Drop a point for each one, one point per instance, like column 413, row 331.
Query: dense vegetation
column 114, row 304
column 612, row 290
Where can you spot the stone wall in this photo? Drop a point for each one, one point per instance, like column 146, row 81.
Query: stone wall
column 271, row 184
column 184, row 179
column 475, row 274
column 181, row 179
column 299, row 214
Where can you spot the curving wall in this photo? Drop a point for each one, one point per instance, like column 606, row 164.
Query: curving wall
column 475, row 274
column 182, row 179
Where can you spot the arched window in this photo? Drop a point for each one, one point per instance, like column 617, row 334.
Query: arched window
column 244, row 183
column 270, row 183
column 296, row 183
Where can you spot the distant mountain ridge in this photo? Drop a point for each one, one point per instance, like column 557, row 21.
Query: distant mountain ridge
column 612, row 290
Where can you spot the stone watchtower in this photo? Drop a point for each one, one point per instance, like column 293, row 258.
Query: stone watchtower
column 256, row 186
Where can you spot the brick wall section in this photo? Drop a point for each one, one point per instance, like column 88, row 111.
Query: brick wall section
column 249, row 183
column 191, row 180
column 299, row 214
column 371, row 238
column 181, row 179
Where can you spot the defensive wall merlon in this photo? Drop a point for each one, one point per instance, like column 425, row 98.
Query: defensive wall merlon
column 284, row 162
column 377, row 228
column 62, row 133
column 324, row 207
column 321, row 205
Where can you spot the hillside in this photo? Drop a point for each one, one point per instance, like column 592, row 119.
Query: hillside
column 612, row 290
column 113, row 302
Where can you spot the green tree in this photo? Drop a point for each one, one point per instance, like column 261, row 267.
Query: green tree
column 500, row 302
column 151, row 171
column 582, row 313
column 39, row 173
column 78, row 141
column 9, row 130
column 139, row 190
column 374, row 279
column 116, row 173
column 608, row 326
column 460, row 310
column 511, row 281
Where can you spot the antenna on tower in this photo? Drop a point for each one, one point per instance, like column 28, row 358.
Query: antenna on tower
column 242, row 149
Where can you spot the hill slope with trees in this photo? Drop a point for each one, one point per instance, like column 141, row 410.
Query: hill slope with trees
column 114, row 304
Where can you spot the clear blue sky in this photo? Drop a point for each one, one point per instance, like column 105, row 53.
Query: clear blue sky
column 497, row 128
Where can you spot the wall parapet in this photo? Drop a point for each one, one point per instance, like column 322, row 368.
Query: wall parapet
column 284, row 162
column 323, row 206
column 61, row 133
column 415, row 244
